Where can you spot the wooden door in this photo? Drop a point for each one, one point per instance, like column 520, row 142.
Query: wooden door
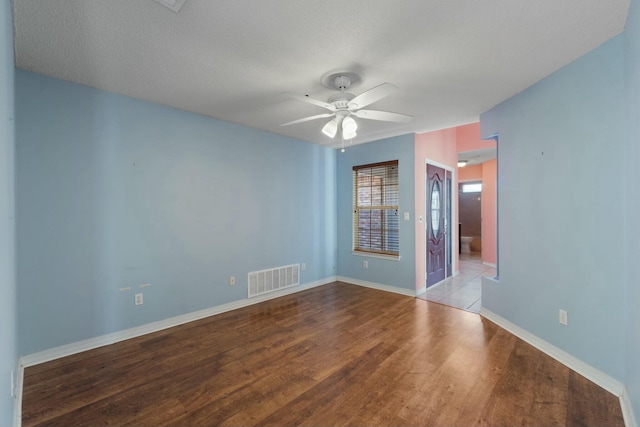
column 436, row 247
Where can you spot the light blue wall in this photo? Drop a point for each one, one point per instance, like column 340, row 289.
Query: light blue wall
column 116, row 192
column 561, row 154
column 8, row 330
column 382, row 271
column 632, row 197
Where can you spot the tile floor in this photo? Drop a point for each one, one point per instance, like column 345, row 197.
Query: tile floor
column 462, row 291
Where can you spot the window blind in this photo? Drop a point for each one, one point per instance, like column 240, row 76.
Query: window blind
column 375, row 208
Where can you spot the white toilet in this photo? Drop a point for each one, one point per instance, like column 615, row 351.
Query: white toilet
column 466, row 244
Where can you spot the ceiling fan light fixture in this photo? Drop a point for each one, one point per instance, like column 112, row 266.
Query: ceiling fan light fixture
column 331, row 128
column 349, row 125
column 349, row 135
column 345, row 106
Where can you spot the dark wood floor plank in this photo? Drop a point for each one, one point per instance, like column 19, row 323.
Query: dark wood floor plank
column 324, row 403
column 500, row 344
column 338, row 354
column 590, row 405
column 550, row 392
column 512, row 396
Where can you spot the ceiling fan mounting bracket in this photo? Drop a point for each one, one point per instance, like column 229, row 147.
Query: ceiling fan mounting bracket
column 341, row 80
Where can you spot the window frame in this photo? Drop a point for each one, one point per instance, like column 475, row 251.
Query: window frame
column 382, row 240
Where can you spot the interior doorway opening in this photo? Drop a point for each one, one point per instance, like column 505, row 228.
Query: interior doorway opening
column 470, row 218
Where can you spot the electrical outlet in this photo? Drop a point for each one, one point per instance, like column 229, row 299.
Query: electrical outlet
column 303, row 267
column 365, row 264
column 232, row 280
column 139, row 299
column 563, row 317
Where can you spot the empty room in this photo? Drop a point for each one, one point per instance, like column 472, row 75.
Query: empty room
column 244, row 212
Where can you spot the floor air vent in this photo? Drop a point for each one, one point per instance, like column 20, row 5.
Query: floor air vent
column 265, row 281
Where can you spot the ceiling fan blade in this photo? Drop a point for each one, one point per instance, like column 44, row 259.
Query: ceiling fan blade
column 385, row 116
column 306, row 119
column 371, row 96
column 307, row 98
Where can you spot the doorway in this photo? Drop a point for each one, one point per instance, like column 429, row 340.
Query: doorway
column 439, row 238
column 470, row 219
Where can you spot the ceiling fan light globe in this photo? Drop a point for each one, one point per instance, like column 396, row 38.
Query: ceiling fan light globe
column 349, row 125
column 331, row 128
column 349, row 135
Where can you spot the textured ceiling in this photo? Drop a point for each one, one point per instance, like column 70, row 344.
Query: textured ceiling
column 232, row 59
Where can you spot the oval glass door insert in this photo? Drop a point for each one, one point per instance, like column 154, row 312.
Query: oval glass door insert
column 435, row 209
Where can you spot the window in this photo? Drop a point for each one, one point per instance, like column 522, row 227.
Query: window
column 375, row 208
column 472, row 187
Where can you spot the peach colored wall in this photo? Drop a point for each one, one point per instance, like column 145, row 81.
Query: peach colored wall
column 438, row 146
column 468, row 138
column 470, row 173
column 489, row 211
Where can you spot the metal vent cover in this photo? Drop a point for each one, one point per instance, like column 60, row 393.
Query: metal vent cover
column 265, row 281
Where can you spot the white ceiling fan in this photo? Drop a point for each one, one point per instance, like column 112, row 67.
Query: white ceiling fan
column 343, row 106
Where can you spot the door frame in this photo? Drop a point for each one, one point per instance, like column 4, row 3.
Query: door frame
column 454, row 215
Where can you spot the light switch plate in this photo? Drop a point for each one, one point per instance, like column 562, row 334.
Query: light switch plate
column 563, row 317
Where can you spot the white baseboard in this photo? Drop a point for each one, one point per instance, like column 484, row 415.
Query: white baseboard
column 379, row 286
column 490, row 264
column 422, row 290
column 600, row 378
column 100, row 341
column 627, row 410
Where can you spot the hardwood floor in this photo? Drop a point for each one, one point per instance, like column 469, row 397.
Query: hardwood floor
column 338, row 354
